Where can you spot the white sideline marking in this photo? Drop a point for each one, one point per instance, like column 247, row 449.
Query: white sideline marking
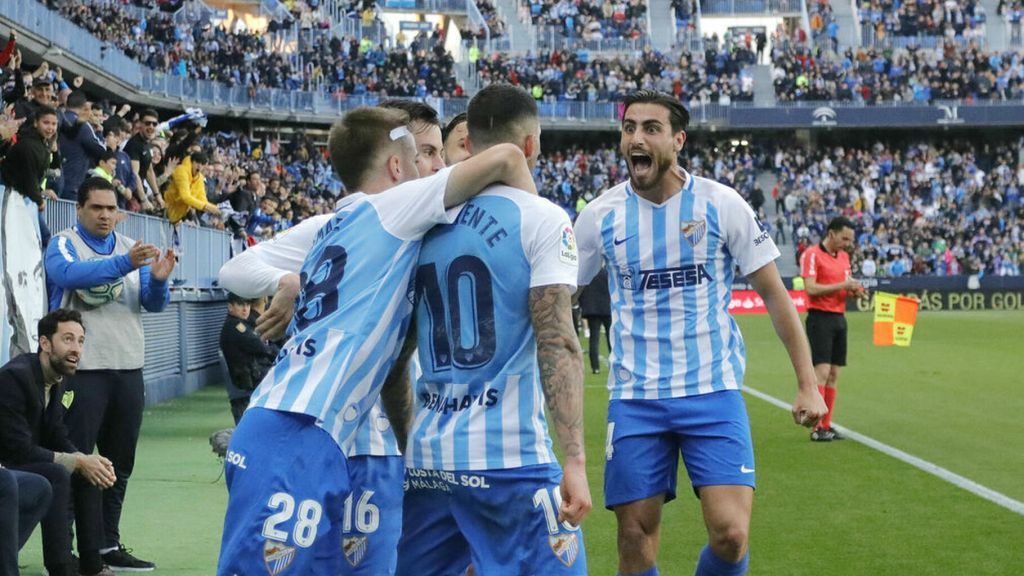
column 933, row 469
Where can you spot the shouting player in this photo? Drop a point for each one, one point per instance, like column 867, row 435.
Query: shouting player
column 670, row 242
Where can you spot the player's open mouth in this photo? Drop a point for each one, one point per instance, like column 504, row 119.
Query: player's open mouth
column 72, row 360
column 641, row 163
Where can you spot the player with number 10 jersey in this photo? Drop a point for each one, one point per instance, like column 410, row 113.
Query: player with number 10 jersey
column 287, row 471
column 483, row 482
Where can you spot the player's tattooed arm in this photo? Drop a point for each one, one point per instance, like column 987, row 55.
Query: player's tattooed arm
column 560, row 359
column 396, row 394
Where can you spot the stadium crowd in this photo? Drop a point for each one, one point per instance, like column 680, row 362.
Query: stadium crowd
column 921, row 208
column 923, row 18
column 575, row 175
column 193, row 48
column 947, row 72
column 589, row 19
column 719, row 74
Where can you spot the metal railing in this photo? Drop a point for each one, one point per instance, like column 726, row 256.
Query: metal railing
column 884, row 104
column 446, row 6
column 774, row 7
column 377, row 32
column 41, row 21
column 478, row 22
column 203, row 250
column 554, row 38
column 197, row 10
column 870, row 38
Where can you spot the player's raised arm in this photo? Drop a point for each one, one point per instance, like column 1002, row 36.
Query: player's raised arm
column 560, row 360
column 501, row 163
column 809, row 406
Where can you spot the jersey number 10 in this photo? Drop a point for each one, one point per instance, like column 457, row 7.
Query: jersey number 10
column 462, row 320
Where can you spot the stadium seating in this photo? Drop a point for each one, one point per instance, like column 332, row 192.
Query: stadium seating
column 588, row 20
column 717, row 75
column 883, row 21
column 922, row 208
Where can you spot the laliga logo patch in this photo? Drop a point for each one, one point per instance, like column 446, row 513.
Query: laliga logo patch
column 694, row 231
column 567, row 251
column 355, row 549
column 277, row 557
column 68, row 399
column 566, row 547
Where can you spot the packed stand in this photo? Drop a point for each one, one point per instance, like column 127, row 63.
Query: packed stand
column 58, row 136
column 589, row 19
column 240, row 57
column 921, row 209
column 575, row 175
column 948, row 72
column 720, row 74
column 495, row 24
column 824, row 27
column 1012, row 13
column 882, row 19
column 423, row 68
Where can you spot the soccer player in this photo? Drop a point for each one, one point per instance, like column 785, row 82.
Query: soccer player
column 287, row 473
column 670, row 242
column 426, row 130
column 456, row 134
column 825, row 269
column 374, row 459
column 496, row 340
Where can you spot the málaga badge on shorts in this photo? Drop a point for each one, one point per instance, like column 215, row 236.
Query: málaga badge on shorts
column 277, row 556
column 566, row 547
column 355, row 549
column 694, row 231
column 67, row 399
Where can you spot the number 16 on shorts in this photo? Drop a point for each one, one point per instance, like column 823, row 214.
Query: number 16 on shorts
column 364, row 516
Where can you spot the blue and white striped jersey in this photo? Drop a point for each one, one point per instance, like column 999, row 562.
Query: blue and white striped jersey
column 354, row 308
column 670, row 274
column 479, row 404
column 256, row 272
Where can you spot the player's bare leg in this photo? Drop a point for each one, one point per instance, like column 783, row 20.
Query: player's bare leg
column 727, row 512
column 639, row 534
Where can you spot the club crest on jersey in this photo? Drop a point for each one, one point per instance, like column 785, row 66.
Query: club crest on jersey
column 626, row 275
column 277, row 556
column 694, row 231
column 355, row 549
column 566, row 547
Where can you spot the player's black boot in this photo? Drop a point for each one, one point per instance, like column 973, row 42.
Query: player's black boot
column 822, row 435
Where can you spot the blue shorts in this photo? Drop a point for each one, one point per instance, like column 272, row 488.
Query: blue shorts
column 504, row 522
column 287, row 483
column 372, row 523
column 711, row 431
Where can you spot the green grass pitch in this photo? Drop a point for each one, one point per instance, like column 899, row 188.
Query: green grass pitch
column 954, row 398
